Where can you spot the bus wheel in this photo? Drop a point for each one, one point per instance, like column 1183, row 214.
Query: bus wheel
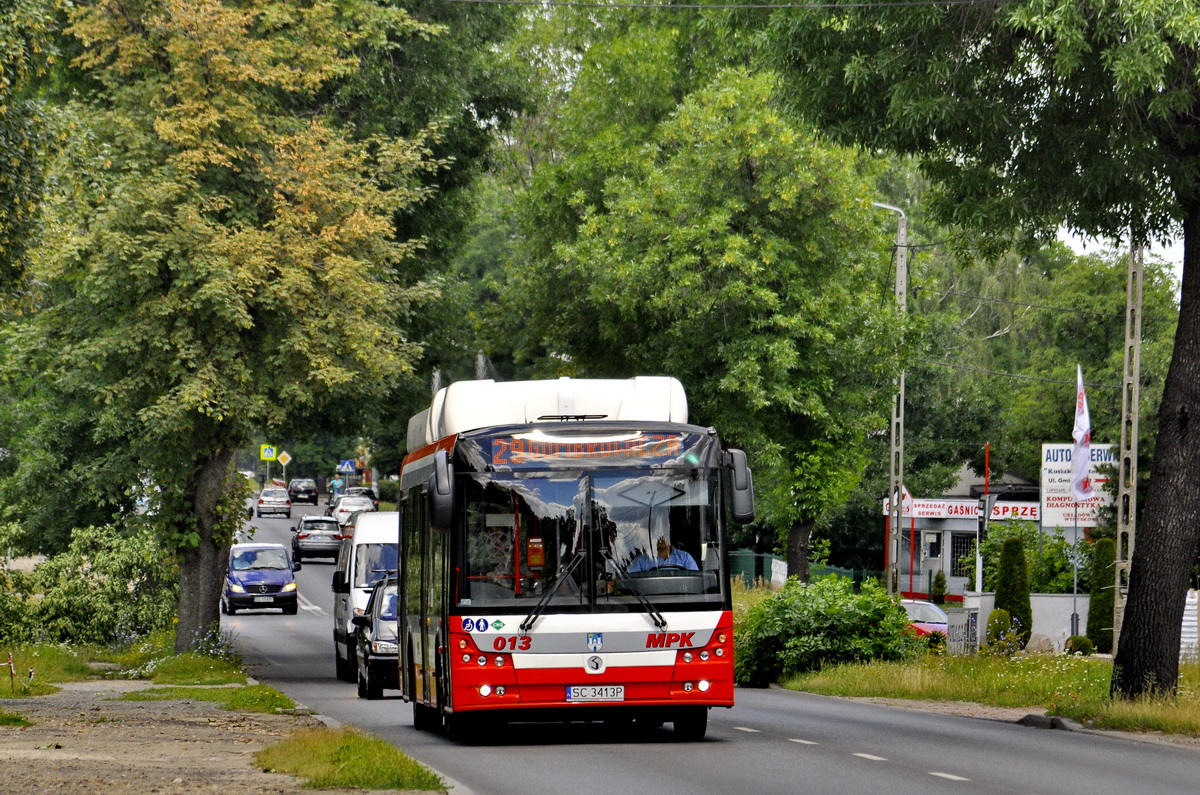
column 426, row 719
column 691, row 723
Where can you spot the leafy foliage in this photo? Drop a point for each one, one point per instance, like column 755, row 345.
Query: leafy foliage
column 1102, row 596
column 736, row 251
column 1079, row 644
column 1012, row 588
column 110, row 586
column 807, row 625
column 1051, row 569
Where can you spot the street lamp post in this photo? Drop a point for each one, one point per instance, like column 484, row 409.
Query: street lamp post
column 896, row 458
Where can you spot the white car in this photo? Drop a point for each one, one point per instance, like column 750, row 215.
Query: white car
column 348, row 505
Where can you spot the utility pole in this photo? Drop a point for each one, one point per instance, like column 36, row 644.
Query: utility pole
column 1127, row 477
column 896, row 458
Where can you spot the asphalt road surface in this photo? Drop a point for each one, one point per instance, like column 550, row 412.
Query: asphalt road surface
column 773, row 741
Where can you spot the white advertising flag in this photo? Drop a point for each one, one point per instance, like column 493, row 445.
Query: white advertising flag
column 1081, row 481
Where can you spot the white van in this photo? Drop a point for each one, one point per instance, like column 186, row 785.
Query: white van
column 362, row 561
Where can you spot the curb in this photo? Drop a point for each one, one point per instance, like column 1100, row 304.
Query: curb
column 1050, row 722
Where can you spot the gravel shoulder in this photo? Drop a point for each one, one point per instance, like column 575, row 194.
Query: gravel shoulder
column 85, row 740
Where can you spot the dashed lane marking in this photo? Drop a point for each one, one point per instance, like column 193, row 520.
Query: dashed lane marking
column 747, row 729
column 950, row 776
column 802, row 742
column 872, row 757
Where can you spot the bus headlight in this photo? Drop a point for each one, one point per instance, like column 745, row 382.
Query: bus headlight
column 485, row 690
column 704, row 685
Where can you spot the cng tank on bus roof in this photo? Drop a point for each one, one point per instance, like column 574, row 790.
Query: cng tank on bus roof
column 467, row 405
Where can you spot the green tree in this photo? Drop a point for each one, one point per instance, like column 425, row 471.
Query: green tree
column 1100, row 601
column 1012, row 588
column 213, row 227
column 25, row 49
column 737, row 252
column 1042, row 113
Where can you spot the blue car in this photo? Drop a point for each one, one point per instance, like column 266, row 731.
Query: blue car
column 260, row 576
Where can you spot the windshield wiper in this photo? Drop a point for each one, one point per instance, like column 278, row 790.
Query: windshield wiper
column 659, row 621
column 544, row 599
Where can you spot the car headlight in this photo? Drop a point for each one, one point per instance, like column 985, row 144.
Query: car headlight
column 384, row 647
column 291, row 586
column 235, row 588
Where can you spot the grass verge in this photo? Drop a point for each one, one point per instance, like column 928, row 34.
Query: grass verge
column 1073, row 687
column 332, row 758
column 251, row 698
column 12, row 719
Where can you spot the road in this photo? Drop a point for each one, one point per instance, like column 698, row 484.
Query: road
column 773, row 741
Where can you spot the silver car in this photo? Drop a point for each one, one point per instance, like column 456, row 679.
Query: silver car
column 275, row 501
column 316, row 537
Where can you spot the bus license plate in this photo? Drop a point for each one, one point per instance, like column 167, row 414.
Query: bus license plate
column 264, row 598
column 595, row 692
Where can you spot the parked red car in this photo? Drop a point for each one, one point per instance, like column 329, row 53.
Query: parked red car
column 926, row 617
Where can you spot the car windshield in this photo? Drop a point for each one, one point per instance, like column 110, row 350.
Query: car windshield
column 303, row 484
column 373, row 562
column 259, row 559
column 319, row 524
column 355, row 504
column 276, row 493
column 926, row 613
column 387, row 609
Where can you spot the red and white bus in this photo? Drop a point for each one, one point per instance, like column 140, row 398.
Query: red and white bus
column 563, row 556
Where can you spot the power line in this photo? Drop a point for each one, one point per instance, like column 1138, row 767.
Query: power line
column 1013, row 375
column 734, row 6
column 1071, row 309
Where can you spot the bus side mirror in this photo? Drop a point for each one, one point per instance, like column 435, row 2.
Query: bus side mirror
column 339, row 582
column 441, row 492
column 743, row 488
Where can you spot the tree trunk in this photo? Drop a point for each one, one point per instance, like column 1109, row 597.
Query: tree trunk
column 202, row 567
column 1147, row 661
column 797, row 550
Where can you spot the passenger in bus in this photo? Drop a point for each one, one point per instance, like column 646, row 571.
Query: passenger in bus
column 667, row 557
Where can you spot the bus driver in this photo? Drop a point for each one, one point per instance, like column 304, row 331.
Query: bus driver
column 667, row 558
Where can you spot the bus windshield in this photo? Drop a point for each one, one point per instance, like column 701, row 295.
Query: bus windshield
column 606, row 540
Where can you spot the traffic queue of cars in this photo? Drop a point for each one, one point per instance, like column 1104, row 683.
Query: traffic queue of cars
column 364, row 553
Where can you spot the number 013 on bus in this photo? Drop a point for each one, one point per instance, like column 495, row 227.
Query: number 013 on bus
column 564, row 556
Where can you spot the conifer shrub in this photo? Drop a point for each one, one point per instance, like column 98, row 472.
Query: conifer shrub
column 1100, row 602
column 1003, row 638
column 937, row 591
column 1012, row 589
column 805, row 626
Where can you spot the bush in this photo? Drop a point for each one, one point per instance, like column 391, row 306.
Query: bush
column 1079, row 644
column 937, row 591
column 109, row 586
column 806, row 626
column 1003, row 635
column 998, row 622
column 1100, row 602
column 1012, row 588
column 385, row 490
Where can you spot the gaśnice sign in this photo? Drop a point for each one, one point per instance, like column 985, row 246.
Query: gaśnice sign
column 968, row 509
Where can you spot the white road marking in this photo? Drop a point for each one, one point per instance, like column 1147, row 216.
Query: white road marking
column 747, row 729
column 307, row 605
column 802, row 742
column 947, row 775
column 872, row 757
